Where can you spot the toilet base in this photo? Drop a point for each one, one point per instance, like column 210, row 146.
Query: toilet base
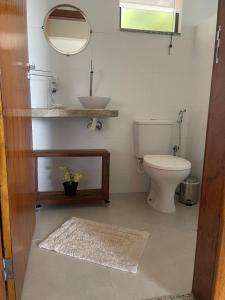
column 162, row 202
column 163, row 184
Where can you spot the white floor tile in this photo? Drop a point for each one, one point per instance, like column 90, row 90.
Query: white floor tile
column 166, row 267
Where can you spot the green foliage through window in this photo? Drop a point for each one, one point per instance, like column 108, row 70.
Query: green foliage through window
column 159, row 16
column 147, row 20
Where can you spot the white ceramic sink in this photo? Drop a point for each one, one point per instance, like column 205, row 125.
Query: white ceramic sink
column 92, row 102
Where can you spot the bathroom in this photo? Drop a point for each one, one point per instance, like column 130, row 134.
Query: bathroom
column 147, row 76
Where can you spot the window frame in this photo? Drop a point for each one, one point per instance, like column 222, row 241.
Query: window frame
column 175, row 33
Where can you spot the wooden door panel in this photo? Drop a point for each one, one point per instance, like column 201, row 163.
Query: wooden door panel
column 219, row 280
column 210, row 264
column 17, row 167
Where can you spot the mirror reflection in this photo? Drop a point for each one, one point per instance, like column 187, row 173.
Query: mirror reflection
column 67, row 29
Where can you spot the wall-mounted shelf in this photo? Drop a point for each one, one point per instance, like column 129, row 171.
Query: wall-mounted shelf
column 73, row 113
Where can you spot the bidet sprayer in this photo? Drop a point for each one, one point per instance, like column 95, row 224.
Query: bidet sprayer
column 181, row 116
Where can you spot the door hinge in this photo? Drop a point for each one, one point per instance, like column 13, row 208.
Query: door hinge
column 218, row 43
column 29, row 69
column 8, row 268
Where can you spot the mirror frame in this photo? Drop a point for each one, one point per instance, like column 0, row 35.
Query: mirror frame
column 47, row 37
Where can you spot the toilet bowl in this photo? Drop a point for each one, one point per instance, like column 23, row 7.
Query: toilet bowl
column 166, row 172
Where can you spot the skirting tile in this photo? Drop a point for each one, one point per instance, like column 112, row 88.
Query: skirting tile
column 182, row 297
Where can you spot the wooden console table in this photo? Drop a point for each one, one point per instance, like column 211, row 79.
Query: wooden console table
column 82, row 196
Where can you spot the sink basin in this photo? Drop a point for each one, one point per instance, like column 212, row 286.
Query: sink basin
column 92, row 102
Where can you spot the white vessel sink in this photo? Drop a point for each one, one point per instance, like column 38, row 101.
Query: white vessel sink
column 92, row 102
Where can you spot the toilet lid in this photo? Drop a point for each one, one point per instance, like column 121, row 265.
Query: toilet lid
column 167, row 162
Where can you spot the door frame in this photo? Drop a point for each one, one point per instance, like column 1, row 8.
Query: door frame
column 209, row 271
column 2, row 279
column 5, row 207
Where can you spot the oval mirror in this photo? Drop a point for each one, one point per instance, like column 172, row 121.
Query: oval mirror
column 67, row 29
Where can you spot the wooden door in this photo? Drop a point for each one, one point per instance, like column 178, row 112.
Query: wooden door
column 209, row 275
column 2, row 280
column 17, row 178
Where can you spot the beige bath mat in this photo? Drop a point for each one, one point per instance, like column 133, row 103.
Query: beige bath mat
column 107, row 245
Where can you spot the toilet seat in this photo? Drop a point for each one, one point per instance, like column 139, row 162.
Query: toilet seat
column 167, row 162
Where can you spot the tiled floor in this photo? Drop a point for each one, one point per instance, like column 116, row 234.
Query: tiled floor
column 166, row 267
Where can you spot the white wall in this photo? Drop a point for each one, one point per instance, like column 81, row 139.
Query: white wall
column 203, row 53
column 132, row 68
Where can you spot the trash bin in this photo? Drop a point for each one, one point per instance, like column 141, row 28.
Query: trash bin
column 189, row 191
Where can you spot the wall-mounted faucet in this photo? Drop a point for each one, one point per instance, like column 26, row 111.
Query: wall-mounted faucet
column 181, row 116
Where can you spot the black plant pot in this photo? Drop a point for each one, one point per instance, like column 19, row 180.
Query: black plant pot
column 70, row 189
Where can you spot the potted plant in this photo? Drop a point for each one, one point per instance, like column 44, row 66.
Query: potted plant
column 70, row 181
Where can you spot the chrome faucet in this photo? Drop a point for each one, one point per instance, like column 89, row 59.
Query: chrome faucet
column 91, row 78
column 177, row 148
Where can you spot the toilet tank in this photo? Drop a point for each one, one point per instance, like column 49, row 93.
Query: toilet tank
column 152, row 137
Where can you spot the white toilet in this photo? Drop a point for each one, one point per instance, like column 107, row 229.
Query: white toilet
column 152, row 140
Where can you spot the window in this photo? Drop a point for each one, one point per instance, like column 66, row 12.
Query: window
column 156, row 16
